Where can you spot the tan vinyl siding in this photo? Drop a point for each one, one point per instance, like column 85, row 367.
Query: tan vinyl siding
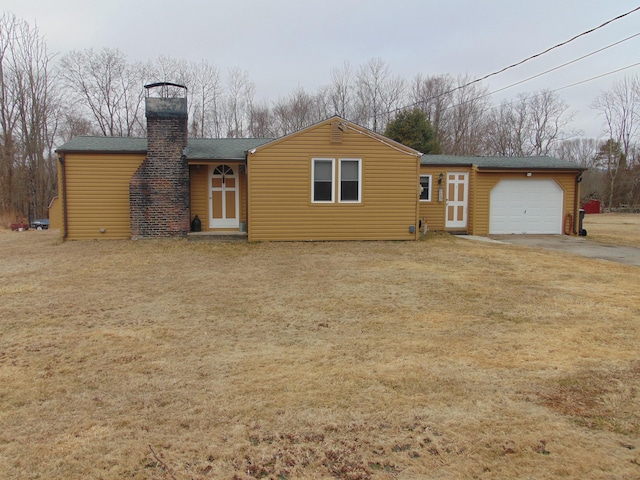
column 280, row 190
column 55, row 214
column 198, row 175
column 97, row 194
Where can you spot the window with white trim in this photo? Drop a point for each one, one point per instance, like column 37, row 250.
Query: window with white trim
column 425, row 191
column 322, row 173
column 350, row 180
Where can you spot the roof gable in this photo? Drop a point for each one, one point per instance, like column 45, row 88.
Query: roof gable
column 345, row 126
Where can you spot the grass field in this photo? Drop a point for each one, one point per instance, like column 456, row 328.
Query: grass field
column 614, row 228
column 443, row 358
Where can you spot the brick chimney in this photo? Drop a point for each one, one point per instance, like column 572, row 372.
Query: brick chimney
column 159, row 189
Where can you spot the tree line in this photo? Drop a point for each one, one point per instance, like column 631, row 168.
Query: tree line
column 45, row 100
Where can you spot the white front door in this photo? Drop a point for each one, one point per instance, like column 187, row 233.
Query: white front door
column 224, row 198
column 457, row 191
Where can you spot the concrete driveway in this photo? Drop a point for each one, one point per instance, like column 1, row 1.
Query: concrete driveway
column 577, row 246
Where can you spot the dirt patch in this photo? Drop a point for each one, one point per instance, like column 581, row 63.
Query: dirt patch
column 604, row 399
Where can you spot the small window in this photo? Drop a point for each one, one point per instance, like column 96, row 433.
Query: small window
column 425, row 183
column 350, row 174
column 323, row 173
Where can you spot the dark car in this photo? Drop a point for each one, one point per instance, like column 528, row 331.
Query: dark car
column 42, row 224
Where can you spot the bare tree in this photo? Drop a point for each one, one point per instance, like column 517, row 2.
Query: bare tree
column 504, row 127
column 620, row 107
column 169, row 69
column 457, row 110
column 239, row 99
column 340, row 91
column 469, row 106
column 550, row 119
column 378, row 94
column 206, row 95
column 432, row 95
column 8, row 110
column 111, row 89
column 584, row 152
column 27, row 109
column 295, row 112
column 261, row 122
column 27, row 105
column 532, row 124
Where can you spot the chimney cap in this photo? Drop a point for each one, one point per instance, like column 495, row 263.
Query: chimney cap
column 165, row 88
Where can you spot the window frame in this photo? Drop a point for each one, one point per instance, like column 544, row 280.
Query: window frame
column 313, row 179
column 430, row 187
column 359, row 180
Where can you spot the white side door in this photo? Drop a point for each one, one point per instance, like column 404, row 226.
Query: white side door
column 456, row 201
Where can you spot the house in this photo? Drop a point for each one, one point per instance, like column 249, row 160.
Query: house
column 334, row 180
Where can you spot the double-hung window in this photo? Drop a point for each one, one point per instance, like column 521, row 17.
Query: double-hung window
column 350, row 180
column 346, row 185
column 425, row 191
column 323, row 172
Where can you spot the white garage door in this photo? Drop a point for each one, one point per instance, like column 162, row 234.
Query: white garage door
column 526, row 206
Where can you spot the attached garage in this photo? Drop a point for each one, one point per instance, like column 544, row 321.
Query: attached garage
column 505, row 195
column 526, row 206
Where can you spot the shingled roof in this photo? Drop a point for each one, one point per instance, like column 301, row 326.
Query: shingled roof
column 504, row 163
column 198, row 148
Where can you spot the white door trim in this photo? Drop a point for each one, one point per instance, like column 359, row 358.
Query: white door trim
column 454, row 216
column 224, row 172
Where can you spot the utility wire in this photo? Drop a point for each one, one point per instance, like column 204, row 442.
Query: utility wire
column 565, row 64
column 557, row 46
column 520, row 62
column 548, row 91
column 549, row 71
column 542, row 93
column 596, row 77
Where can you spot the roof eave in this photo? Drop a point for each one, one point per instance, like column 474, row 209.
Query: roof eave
column 101, row 152
column 532, row 169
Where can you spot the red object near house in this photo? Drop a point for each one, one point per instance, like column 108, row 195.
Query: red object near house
column 592, row 206
column 19, row 226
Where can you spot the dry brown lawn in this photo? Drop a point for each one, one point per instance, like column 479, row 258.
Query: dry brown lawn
column 614, row 228
column 443, row 358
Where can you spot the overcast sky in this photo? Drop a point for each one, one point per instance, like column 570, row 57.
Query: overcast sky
column 286, row 44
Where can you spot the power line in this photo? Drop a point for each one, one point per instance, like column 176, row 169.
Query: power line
column 557, row 46
column 565, row 64
column 596, row 77
column 520, row 62
column 545, row 91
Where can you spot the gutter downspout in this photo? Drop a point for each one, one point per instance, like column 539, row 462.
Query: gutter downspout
column 576, row 203
column 63, row 179
column 416, row 235
column 247, row 157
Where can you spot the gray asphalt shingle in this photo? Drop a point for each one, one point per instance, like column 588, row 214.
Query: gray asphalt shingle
column 526, row 163
column 198, row 148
